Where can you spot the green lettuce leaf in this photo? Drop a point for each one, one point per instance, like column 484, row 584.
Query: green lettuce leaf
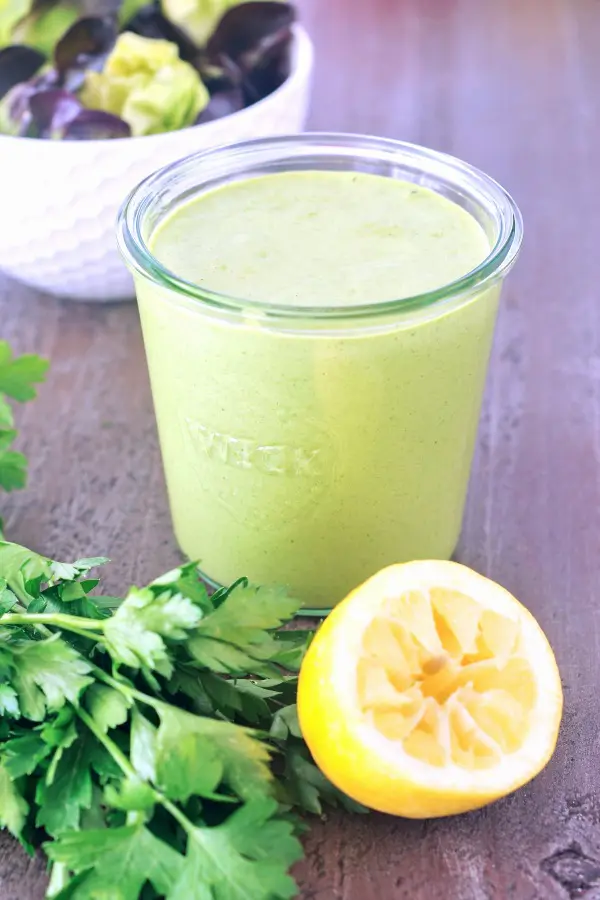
column 146, row 83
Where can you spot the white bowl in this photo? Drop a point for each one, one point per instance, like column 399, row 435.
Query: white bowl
column 59, row 200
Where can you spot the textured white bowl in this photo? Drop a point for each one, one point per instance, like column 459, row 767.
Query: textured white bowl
column 59, row 200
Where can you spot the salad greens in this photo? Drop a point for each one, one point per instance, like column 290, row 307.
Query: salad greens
column 147, row 84
column 151, row 744
column 117, row 68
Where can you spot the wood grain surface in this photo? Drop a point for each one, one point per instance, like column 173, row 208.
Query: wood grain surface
column 513, row 87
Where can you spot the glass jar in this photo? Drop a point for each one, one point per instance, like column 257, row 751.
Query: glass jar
column 311, row 446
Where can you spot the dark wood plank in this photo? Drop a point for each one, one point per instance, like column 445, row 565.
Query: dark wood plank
column 513, row 88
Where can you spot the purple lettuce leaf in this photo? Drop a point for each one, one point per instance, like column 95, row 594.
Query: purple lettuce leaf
column 15, row 115
column 18, row 63
column 250, row 48
column 86, row 45
column 51, row 111
column 270, row 71
column 58, row 115
column 247, row 32
column 15, row 111
column 93, row 125
column 149, row 22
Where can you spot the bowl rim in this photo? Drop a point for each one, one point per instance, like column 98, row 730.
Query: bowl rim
column 302, row 65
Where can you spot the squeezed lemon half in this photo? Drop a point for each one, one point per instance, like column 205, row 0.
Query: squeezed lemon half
column 430, row 690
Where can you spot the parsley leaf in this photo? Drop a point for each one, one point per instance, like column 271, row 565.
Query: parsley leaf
column 22, row 754
column 194, row 754
column 60, row 571
column 241, row 698
column 13, row 468
column 19, row 374
column 245, row 858
column 247, row 612
column 135, row 633
column 13, row 807
column 17, row 377
column 235, row 638
column 46, row 674
column 7, row 597
column 6, row 422
column 132, row 795
column 143, row 746
column 107, row 706
column 185, row 580
column 66, row 789
column 9, row 704
column 126, row 857
column 23, row 570
column 306, row 787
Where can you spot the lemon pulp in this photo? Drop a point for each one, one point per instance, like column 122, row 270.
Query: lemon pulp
column 446, row 679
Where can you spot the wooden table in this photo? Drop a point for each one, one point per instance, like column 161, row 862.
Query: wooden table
column 513, row 87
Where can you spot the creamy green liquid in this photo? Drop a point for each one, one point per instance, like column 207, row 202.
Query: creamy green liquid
column 312, row 456
column 321, row 239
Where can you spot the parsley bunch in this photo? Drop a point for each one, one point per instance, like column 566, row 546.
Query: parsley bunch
column 151, row 744
column 17, row 377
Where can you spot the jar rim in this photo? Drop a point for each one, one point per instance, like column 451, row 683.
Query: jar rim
column 244, row 159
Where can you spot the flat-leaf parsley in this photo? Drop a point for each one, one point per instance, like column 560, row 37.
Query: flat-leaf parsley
column 151, row 745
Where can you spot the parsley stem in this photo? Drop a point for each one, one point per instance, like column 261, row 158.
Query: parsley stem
column 115, row 751
column 129, row 689
column 43, row 629
column 128, row 770
column 75, row 624
column 59, row 878
column 179, row 816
